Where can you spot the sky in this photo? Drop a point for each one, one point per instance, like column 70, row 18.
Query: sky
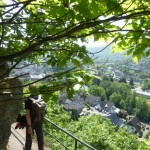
column 6, row 1
column 91, row 43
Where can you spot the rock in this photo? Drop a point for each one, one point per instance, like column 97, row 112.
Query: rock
column 3, row 69
column 10, row 106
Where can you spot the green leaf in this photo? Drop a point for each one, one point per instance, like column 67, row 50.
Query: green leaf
column 70, row 92
column 76, row 62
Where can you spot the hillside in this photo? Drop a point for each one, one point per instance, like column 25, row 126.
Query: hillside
column 106, row 54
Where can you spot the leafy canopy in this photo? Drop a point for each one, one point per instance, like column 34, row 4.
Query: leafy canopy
column 49, row 30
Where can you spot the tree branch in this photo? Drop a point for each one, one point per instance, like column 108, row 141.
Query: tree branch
column 16, row 14
column 48, row 76
column 73, row 29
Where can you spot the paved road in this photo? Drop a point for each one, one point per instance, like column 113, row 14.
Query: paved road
column 139, row 91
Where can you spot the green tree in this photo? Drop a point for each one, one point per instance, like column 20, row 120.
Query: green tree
column 129, row 103
column 122, row 104
column 122, row 88
column 123, row 79
column 131, row 82
column 97, row 91
column 142, row 109
column 96, row 81
column 107, row 85
column 48, row 31
column 146, row 86
column 116, row 98
column 133, row 102
column 34, row 31
column 111, row 87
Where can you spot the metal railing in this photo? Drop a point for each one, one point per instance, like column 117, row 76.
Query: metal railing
column 14, row 131
column 76, row 140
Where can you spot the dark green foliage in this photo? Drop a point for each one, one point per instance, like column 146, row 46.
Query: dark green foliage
column 97, row 91
column 119, row 88
column 142, row 110
column 123, row 79
column 131, row 82
column 146, row 86
column 96, row 81
column 116, row 98
column 74, row 115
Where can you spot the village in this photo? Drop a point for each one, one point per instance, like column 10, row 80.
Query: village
column 94, row 104
column 107, row 110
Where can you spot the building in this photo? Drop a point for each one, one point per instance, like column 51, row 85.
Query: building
column 133, row 125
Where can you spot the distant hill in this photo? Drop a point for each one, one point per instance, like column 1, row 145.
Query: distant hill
column 106, row 54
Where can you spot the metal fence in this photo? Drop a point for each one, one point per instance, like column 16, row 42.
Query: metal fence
column 76, row 140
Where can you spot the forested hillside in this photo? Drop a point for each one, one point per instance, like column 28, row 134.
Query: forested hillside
column 107, row 53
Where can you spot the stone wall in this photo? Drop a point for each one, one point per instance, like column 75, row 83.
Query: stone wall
column 10, row 106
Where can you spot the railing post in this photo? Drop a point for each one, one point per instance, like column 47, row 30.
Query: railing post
column 75, row 144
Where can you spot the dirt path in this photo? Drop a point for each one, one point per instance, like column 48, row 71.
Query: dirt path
column 17, row 140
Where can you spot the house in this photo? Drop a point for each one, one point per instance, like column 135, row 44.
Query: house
column 122, row 114
column 98, row 107
column 62, row 99
column 76, row 103
column 71, row 105
column 107, row 106
column 93, row 100
column 115, row 120
column 133, row 125
column 118, row 75
column 114, row 109
column 31, row 72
